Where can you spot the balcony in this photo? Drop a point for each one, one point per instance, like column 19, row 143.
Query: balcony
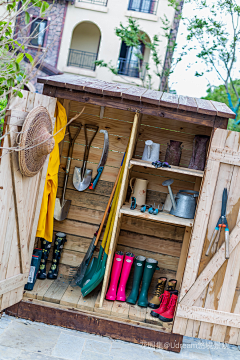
column 131, row 68
column 94, row 2
column 82, row 59
column 144, row 6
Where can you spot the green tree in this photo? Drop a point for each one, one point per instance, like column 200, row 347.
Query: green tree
column 133, row 36
column 216, row 27
column 218, row 93
column 12, row 52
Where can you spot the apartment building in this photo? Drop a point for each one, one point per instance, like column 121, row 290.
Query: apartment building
column 89, row 35
column 74, row 34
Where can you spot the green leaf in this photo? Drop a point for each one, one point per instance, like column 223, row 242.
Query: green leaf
column 27, row 17
column 44, row 7
column 19, row 58
column 20, row 94
column 30, row 58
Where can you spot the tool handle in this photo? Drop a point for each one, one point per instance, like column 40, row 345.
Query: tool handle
column 227, row 243
column 97, row 177
column 131, row 183
column 73, row 139
column 214, row 235
column 66, row 178
column 87, row 146
column 108, row 206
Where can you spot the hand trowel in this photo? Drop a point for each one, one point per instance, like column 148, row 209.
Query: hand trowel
column 82, row 177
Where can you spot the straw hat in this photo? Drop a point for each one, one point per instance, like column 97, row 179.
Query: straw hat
column 36, row 141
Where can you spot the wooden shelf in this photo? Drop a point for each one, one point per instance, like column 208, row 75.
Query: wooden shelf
column 162, row 217
column 176, row 169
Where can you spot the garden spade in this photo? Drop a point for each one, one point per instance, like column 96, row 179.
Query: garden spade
column 61, row 205
column 82, row 177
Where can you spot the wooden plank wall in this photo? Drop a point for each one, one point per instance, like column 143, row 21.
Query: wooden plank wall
column 218, row 291
column 160, row 241
column 29, row 190
column 88, row 207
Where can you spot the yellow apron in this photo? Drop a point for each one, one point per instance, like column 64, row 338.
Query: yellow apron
column 45, row 222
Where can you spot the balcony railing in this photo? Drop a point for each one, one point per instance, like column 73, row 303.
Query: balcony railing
column 95, row 2
column 82, row 59
column 131, row 68
column 145, row 6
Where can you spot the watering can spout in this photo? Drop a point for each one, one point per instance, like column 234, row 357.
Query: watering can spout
column 172, row 198
column 168, row 184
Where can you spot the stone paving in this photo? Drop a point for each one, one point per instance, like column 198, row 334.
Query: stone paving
column 25, row 340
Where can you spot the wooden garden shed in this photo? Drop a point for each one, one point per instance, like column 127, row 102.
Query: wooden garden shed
column 209, row 303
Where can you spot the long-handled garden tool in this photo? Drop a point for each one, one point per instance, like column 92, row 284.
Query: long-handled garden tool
column 82, row 177
column 92, row 281
column 81, row 272
column 61, row 205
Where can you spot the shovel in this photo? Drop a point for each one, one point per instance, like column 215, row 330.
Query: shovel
column 97, row 270
column 87, row 269
column 61, row 205
column 82, row 177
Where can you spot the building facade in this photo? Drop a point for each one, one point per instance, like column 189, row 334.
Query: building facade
column 89, row 35
column 44, row 36
column 74, row 34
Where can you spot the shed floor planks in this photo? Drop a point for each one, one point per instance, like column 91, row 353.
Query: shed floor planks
column 40, row 288
column 56, row 291
column 60, row 293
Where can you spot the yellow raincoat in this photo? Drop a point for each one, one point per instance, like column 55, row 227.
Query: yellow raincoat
column 45, row 222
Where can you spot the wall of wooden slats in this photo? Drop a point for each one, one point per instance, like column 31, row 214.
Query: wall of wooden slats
column 160, row 241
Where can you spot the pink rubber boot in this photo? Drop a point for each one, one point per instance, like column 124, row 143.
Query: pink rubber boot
column 116, row 271
column 127, row 264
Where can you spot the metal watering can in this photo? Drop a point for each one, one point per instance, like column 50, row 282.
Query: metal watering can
column 184, row 204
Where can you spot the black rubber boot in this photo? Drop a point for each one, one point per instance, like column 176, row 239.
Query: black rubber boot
column 46, row 246
column 60, row 240
column 149, row 269
column 137, row 277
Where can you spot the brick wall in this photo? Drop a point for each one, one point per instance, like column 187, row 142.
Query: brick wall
column 50, row 50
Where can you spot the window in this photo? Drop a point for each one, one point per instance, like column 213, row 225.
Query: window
column 37, row 32
column 129, row 64
column 95, row 2
column 145, row 6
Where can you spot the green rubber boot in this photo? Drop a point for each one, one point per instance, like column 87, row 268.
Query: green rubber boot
column 149, row 269
column 137, row 277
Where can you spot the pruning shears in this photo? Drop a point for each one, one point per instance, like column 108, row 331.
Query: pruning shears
column 222, row 223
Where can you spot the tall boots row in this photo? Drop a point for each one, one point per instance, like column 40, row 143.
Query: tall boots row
column 164, row 300
column 144, row 270
column 60, row 240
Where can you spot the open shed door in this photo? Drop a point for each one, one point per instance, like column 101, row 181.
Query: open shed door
column 209, row 306
column 20, row 202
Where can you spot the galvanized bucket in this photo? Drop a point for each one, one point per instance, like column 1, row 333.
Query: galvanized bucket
column 185, row 204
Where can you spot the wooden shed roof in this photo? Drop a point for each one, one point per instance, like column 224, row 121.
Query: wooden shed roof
column 139, row 94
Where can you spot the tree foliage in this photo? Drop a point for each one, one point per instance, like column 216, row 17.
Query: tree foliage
column 12, row 52
column 216, row 27
column 133, row 36
column 218, row 93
